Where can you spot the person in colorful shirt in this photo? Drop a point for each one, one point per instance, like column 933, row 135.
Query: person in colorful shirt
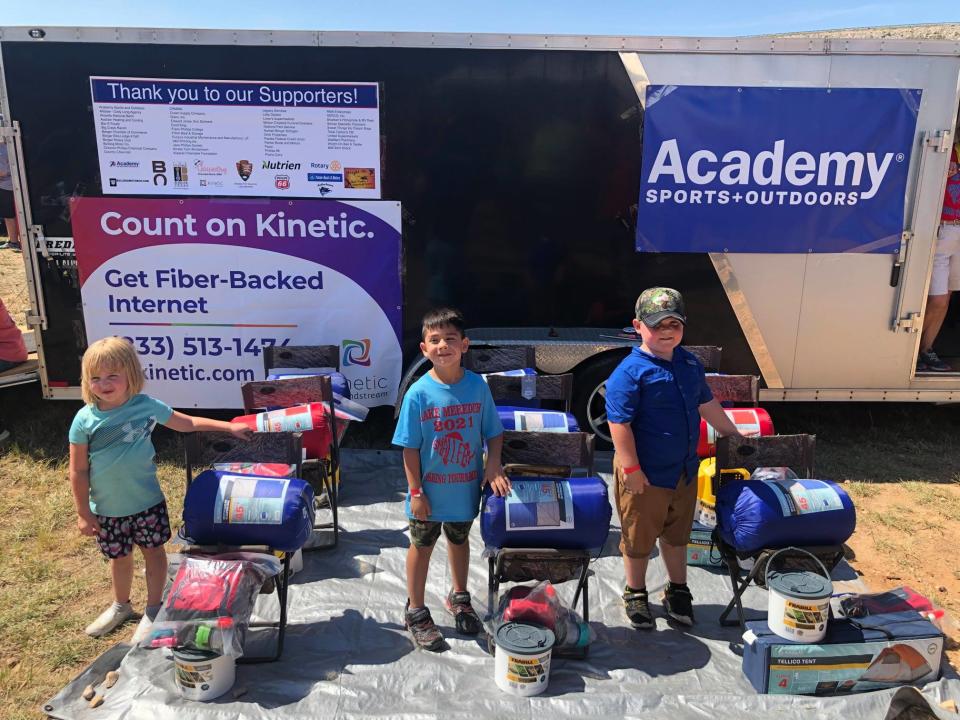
column 945, row 278
column 114, row 478
column 655, row 399
column 445, row 418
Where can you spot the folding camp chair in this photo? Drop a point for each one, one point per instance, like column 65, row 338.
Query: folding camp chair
column 301, row 356
column 793, row 451
column 544, row 454
column 209, row 448
column 262, row 394
column 484, row 359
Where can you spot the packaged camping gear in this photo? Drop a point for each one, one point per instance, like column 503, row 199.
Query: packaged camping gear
column 756, row 514
column 878, row 652
column 231, row 509
column 861, row 605
column 751, row 422
column 546, row 512
column 538, row 420
column 262, row 469
column 700, row 550
column 540, row 605
column 310, row 419
column 798, row 601
column 523, row 658
column 209, row 602
column 706, row 513
column 201, row 675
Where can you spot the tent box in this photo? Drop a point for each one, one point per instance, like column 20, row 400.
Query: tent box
column 699, row 547
column 879, row 651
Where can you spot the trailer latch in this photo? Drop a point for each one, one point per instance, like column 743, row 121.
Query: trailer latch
column 910, row 323
column 940, row 141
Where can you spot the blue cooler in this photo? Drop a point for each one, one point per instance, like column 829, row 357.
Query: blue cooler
column 231, row 509
column 561, row 514
column 756, row 514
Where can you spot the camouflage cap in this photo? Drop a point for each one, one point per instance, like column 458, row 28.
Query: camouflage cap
column 655, row 304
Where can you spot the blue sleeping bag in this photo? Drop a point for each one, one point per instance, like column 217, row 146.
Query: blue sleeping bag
column 756, row 514
column 568, row 513
column 231, row 509
column 536, row 420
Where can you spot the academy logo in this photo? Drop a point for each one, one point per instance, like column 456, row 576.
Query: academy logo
column 355, row 352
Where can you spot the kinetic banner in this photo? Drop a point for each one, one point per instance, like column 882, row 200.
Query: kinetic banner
column 202, row 286
column 237, row 137
column 775, row 170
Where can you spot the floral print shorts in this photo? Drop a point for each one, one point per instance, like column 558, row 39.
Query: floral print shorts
column 148, row 529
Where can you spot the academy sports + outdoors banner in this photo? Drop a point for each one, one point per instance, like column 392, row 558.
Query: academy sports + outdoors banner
column 202, row 286
column 774, row 170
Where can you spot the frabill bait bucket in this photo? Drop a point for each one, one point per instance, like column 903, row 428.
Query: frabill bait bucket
column 798, row 605
column 523, row 658
column 203, row 675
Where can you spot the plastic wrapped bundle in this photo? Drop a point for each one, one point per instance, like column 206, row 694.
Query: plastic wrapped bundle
column 232, row 509
column 567, row 514
column 756, row 514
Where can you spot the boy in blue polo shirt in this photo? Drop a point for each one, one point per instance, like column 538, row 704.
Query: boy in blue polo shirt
column 445, row 418
column 655, row 399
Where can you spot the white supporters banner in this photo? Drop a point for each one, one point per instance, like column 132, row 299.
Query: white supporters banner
column 237, row 138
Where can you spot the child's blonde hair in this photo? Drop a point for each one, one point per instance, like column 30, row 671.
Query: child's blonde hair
column 114, row 353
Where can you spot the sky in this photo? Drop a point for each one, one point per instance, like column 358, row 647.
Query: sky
column 586, row 17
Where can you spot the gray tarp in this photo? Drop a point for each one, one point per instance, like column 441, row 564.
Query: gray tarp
column 347, row 654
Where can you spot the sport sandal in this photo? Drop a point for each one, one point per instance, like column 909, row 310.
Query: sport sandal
column 464, row 616
column 425, row 632
column 636, row 604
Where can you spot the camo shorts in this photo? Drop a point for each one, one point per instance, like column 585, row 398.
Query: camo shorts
column 424, row 533
column 149, row 528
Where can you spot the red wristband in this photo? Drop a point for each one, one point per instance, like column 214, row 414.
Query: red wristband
column 630, row 470
column 416, row 492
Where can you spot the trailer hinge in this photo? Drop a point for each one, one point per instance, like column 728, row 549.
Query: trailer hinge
column 910, row 323
column 9, row 132
column 40, row 240
column 940, row 140
column 34, row 321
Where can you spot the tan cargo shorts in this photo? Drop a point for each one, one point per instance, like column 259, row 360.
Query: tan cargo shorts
column 665, row 513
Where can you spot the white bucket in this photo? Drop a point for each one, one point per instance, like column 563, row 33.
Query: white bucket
column 523, row 658
column 798, row 605
column 203, row 675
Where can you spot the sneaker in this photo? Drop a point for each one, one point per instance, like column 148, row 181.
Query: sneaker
column 424, row 631
column 929, row 361
column 143, row 630
column 110, row 619
column 638, row 609
column 678, row 602
column 465, row 617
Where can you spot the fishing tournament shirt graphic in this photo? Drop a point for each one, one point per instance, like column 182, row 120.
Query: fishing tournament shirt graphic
column 449, row 424
column 123, row 477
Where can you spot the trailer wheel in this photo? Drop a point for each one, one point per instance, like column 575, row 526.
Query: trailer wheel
column 589, row 397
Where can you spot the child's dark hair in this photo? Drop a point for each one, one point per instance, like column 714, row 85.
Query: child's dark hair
column 442, row 317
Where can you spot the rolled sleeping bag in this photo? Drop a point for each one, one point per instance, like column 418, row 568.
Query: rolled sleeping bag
column 310, row 419
column 543, row 512
column 337, row 380
column 756, row 514
column 231, row 509
column 751, row 422
column 535, row 420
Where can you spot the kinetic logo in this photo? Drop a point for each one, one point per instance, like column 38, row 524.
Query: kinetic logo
column 356, row 352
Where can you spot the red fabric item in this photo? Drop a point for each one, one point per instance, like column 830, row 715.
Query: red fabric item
column 12, row 348
column 951, row 194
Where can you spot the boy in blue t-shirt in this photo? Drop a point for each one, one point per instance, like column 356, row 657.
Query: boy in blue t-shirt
column 444, row 420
